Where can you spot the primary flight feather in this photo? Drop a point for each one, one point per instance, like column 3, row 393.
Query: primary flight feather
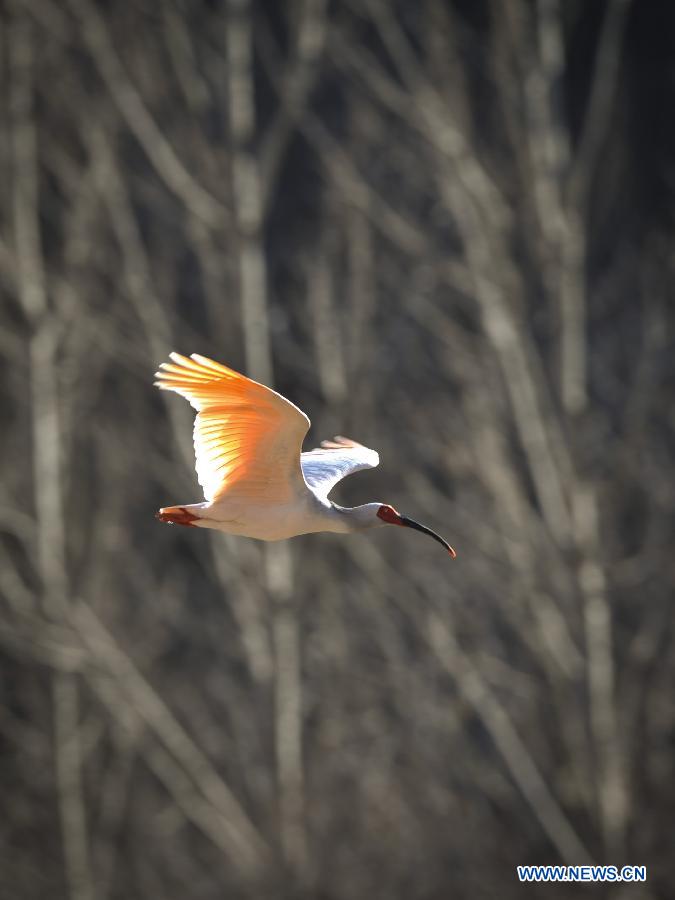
column 257, row 482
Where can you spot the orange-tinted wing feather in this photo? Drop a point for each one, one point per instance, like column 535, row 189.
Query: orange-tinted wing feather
column 247, row 437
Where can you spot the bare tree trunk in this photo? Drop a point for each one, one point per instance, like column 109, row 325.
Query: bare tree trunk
column 46, row 453
column 248, row 193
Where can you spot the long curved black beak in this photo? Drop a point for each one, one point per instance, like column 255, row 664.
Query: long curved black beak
column 411, row 523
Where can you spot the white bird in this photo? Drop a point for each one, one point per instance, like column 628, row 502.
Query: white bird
column 256, row 481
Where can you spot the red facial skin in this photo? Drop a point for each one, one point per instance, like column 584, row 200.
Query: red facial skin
column 389, row 515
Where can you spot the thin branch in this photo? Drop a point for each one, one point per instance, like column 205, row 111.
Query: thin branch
column 295, row 91
column 604, row 83
column 238, row 835
column 140, row 121
column 514, row 752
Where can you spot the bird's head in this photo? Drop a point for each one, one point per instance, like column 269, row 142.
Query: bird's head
column 389, row 516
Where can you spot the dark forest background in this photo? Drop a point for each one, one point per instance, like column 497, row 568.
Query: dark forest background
column 445, row 230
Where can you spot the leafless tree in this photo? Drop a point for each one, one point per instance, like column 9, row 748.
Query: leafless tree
column 419, row 222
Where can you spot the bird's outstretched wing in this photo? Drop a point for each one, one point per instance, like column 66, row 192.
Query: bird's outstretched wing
column 324, row 467
column 247, row 437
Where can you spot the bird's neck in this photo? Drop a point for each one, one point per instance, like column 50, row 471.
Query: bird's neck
column 347, row 519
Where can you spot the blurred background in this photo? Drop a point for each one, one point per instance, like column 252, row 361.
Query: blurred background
column 445, row 230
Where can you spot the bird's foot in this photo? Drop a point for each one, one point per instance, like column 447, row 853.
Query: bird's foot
column 176, row 515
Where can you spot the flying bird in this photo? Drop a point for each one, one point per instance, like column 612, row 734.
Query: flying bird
column 257, row 482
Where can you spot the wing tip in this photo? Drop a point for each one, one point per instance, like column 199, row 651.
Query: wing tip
column 177, row 358
column 184, row 372
column 338, row 442
column 196, row 364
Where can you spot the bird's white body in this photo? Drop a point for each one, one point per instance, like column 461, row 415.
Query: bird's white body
column 257, row 482
column 304, row 514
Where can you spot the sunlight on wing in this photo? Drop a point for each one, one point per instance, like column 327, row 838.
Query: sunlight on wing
column 247, row 437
